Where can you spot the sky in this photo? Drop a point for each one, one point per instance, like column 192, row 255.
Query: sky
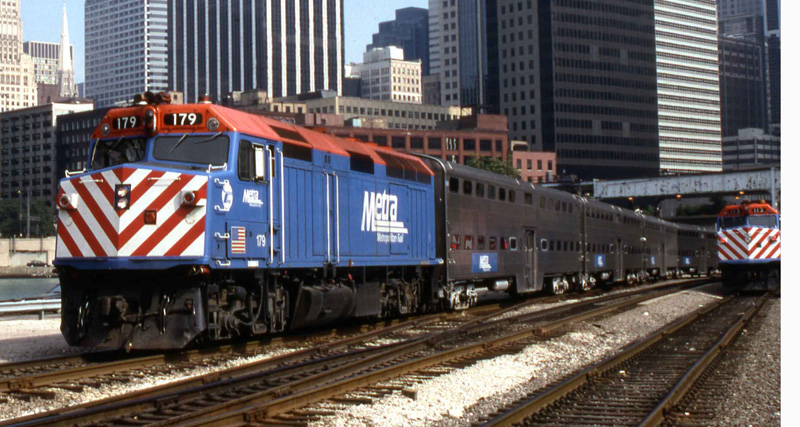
column 41, row 21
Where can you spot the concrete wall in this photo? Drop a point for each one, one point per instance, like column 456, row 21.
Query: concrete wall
column 18, row 252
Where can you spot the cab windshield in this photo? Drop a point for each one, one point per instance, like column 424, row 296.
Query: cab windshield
column 763, row 221
column 732, row 221
column 112, row 152
column 202, row 149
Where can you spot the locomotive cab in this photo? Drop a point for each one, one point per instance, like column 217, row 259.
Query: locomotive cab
column 749, row 245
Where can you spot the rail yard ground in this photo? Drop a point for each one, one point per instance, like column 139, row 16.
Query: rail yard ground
column 464, row 396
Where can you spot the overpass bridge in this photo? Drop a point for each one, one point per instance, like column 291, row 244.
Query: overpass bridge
column 763, row 181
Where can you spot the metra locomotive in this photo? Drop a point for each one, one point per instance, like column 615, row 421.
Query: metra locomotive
column 749, row 244
column 199, row 222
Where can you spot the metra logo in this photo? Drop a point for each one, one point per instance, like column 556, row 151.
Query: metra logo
column 380, row 214
column 252, row 198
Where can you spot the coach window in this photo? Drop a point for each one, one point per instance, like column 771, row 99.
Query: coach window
column 492, row 243
column 570, row 208
column 512, row 196
column 492, row 192
column 480, row 190
column 503, row 244
column 542, row 203
column 512, row 243
column 550, row 204
column 528, row 199
column 502, row 194
column 544, row 245
column 558, row 245
column 467, row 187
column 572, row 246
column 454, row 185
column 481, row 243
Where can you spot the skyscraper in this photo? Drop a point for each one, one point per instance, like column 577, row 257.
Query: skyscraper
column 579, row 79
column 45, row 60
column 408, row 31
column 773, row 40
column 689, row 125
column 126, row 49
column 285, row 47
column 742, row 85
column 463, row 50
column 17, row 83
column 758, row 21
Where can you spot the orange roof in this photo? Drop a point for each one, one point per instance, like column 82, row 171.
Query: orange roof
column 232, row 120
column 746, row 209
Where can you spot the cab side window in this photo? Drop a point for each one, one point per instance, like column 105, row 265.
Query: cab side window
column 246, row 161
column 251, row 161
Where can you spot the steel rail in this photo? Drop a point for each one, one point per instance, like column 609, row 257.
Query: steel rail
column 552, row 394
column 263, row 407
column 476, row 324
column 246, row 372
column 688, row 380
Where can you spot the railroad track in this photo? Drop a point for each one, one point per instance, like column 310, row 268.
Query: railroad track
column 285, row 392
column 26, row 379
column 312, row 363
column 641, row 385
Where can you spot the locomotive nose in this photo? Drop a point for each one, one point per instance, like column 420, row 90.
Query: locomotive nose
column 131, row 212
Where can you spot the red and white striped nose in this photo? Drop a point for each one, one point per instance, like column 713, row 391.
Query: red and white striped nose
column 132, row 212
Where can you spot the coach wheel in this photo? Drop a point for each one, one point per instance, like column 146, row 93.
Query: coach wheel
column 585, row 285
column 631, row 279
column 558, row 286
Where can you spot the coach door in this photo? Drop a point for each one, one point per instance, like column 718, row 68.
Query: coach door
column 619, row 272
column 531, row 259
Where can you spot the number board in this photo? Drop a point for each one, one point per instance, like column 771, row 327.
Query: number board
column 183, row 119
column 128, row 122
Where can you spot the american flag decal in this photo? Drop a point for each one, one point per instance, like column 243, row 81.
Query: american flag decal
column 238, row 242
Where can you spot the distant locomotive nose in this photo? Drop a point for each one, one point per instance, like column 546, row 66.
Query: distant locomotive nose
column 130, row 212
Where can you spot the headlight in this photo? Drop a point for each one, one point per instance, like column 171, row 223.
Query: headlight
column 122, row 194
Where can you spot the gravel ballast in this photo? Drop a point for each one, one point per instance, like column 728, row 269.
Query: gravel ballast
column 461, row 397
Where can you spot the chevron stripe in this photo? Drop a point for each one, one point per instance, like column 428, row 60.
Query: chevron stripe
column 95, row 228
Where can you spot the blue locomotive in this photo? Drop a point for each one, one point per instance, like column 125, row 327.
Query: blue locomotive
column 197, row 222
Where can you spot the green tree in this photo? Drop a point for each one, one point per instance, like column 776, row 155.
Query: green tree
column 13, row 220
column 496, row 165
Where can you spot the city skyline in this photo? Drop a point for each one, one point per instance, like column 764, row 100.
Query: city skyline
column 42, row 22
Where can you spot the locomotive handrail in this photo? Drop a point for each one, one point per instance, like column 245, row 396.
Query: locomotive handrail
column 68, row 173
column 164, row 178
column 86, row 181
column 225, row 236
column 270, row 174
column 221, row 167
column 283, row 210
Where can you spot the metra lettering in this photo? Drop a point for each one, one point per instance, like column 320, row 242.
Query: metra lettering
column 252, row 198
column 380, row 215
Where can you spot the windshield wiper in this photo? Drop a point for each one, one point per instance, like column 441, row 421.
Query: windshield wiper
column 177, row 144
column 210, row 138
column 105, row 150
